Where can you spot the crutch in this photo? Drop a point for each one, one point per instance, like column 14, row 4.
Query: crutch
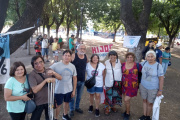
column 51, row 87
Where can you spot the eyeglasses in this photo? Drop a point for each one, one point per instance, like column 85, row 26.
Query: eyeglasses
column 37, row 63
column 24, row 89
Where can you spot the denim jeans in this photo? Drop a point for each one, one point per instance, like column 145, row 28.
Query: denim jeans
column 79, row 91
column 36, row 115
column 165, row 66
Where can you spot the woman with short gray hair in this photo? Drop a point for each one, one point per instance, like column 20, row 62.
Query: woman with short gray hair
column 151, row 83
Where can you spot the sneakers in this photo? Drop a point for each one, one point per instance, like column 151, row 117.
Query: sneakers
column 71, row 113
column 126, row 116
column 143, row 118
column 79, row 110
column 66, row 117
column 90, row 109
column 148, row 118
column 97, row 113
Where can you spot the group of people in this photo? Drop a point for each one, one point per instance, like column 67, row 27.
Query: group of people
column 42, row 45
column 121, row 82
column 162, row 57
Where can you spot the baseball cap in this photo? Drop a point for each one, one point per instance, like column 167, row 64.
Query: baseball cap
column 158, row 44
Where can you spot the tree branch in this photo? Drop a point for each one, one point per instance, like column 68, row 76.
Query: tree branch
column 29, row 18
column 3, row 6
column 144, row 16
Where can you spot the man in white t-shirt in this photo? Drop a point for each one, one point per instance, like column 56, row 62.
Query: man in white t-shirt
column 65, row 88
column 45, row 47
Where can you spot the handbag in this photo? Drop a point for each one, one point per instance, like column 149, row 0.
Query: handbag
column 30, row 105
column 113, row 87
column 169, row 64
column 92, row 81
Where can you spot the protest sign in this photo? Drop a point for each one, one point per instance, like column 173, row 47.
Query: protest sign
column 4, row 59
column 131, row 41
column 102, row 51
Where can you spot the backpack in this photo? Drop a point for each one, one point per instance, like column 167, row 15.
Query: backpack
column 140, row 73
column 36, row 47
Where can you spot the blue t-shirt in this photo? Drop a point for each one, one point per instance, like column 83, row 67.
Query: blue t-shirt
column 158, row 54
column 17, row 88
column 150, row 75
column 166, row 55
column 70, row 44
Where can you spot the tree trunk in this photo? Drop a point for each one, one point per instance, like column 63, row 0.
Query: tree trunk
column 67, row 36
column 159, row 33
column 17, row 8
column 136, row 27
column 57, row 28
column 114, row 37
column 43, row 28
column 172, row 45
column 138, row 51
column 37, row 31
column 29, row 18
column 48, row 31
column 170, row 41
column 3, row 11
column 77, row 34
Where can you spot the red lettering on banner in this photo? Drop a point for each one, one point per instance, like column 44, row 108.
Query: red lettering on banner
column 94, row 50
column 102, row 50
column 106, row 48
column 110, row 46
column 97, row 49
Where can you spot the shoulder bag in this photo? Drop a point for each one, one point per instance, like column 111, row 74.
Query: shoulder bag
column 113, row 87
column 92, row 81
column 30, row 104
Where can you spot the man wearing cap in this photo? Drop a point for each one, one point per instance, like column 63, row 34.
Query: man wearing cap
column 150, row 46
column 159, row 53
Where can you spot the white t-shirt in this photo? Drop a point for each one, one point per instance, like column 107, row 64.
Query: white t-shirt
column 67, row 72
column 99, row 74
column 45, row 43
column 109, row 74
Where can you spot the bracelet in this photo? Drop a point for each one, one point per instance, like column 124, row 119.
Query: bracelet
column 160, row 90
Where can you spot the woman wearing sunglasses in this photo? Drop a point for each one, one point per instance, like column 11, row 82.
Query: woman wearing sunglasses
column 15, row 91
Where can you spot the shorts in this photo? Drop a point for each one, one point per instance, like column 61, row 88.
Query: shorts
column 149, row 95
column 62, row 97
column 55, row 53
column 95, row 90
column 45, row 51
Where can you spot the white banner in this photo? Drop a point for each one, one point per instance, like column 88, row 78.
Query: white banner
column 102, row 51
column 17, row 31
column 5, row 54
column 4, row 59
column 131, row 41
